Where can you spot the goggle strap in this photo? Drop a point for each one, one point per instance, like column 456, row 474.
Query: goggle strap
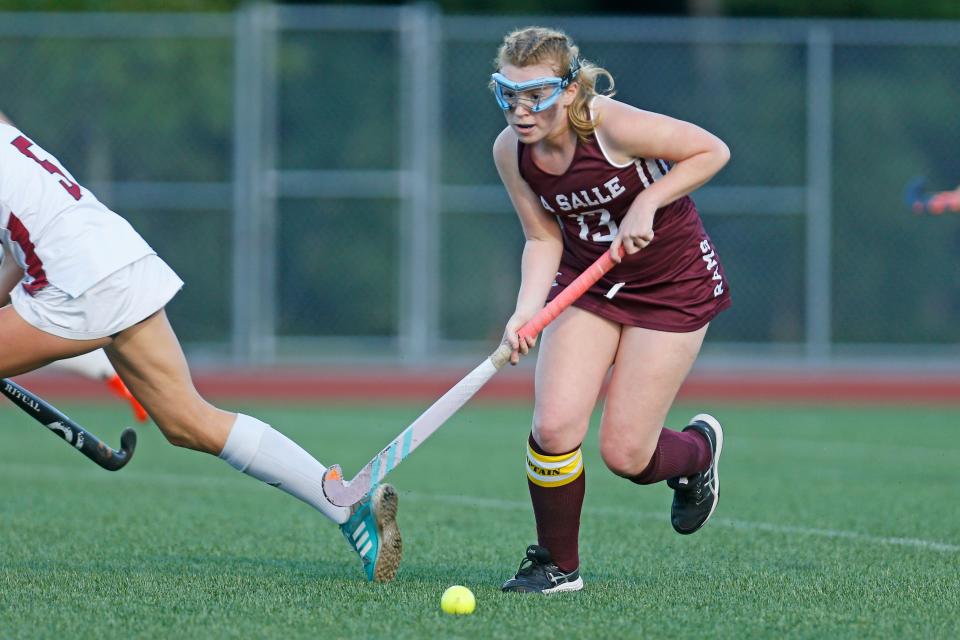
column 572, row 73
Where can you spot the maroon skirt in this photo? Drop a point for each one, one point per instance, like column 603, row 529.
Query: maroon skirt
column 676, row 283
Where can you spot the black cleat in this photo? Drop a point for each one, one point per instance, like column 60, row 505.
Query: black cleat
column 538, row 574
column 695, row 497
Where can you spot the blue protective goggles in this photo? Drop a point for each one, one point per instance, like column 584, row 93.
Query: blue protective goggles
column 536, row 95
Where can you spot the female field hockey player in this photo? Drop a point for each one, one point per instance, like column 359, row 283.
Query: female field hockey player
column 82, row 279
column 589, row 174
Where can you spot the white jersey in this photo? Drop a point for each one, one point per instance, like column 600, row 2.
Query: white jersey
column 55, row 229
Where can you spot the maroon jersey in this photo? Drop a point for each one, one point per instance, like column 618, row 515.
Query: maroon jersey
column 676, row 283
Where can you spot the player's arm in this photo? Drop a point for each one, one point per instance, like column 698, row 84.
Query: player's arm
column 627, row 133
column 10, row 274
column 4, row 119
column 630, row 133
column 544, row 242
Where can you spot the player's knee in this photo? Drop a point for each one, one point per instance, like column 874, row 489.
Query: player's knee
column 178, row 434
column 187, row 425
column 553, row 435
column 624, row 458
column 183, row 430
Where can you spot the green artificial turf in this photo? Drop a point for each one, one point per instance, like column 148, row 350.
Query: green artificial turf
column 833, row 523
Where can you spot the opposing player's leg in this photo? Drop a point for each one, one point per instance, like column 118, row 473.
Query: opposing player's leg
column 150, row 360
column 372, row 531
column 96, row 366
column 575, row 353
column 650, row 368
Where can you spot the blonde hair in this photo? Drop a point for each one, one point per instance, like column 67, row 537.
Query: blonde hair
column 540, row 45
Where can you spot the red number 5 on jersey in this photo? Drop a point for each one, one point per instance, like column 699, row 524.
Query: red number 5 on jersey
column 23, row 146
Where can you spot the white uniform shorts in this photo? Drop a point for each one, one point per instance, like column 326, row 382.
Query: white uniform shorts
column 117, row 302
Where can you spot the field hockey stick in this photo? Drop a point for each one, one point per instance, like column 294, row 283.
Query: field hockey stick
column 345, row 493
column 87, row 443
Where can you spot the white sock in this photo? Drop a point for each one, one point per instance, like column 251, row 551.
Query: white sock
column 259, row 450
column 90, row 365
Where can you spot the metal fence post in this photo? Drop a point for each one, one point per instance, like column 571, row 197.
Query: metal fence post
column 420, row 123
column 254, row 195
column 819, row 212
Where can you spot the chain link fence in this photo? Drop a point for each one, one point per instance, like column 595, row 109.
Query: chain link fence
column 321, row 177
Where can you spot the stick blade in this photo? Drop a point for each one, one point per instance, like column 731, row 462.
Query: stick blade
column 115, row 460
column 345, row 493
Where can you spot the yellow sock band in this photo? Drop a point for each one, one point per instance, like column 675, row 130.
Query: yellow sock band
column 553, row 471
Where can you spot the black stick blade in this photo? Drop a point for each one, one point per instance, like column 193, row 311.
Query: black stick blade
column 71, row 432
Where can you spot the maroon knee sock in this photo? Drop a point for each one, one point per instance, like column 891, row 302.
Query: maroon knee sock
column 557, row 511
column 678, row 453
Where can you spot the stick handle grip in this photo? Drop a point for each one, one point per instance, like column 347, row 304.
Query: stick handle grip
column 574, row 290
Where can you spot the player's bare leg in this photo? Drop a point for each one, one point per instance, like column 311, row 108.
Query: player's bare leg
column 150, row 360
column 575, row 353
column 26, row 348
column 96, row 366
column 650, row 368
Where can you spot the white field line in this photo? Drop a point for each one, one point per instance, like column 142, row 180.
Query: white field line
column 19, row 470
column 740, row 525
column 846, row 447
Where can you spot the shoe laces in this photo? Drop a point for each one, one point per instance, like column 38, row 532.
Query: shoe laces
column 694, row 485
column 531, row 564
column 527, row 567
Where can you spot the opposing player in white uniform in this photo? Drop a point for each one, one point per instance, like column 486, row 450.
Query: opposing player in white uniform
column 89, row 281
column 93, row 365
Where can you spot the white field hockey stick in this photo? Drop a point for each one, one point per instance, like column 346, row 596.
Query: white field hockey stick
column 345, row 493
